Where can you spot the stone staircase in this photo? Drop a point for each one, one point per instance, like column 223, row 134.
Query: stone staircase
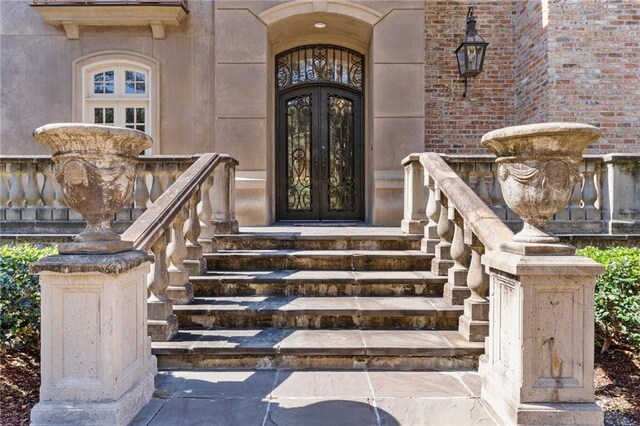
column 286, row 297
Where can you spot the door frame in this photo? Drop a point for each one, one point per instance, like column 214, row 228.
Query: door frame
column 320, row 211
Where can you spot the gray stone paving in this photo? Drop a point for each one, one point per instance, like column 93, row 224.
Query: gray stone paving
column 316, row 397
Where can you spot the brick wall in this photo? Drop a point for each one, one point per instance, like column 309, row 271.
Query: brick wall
column 594, row 68
column 455, row 124
column 531, row 62
column 548, row 60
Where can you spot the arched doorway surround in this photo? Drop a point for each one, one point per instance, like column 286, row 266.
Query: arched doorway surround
column 390, row 36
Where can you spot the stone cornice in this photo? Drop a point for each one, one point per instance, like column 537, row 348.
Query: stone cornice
column 73, row 16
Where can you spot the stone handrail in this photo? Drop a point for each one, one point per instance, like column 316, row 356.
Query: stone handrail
column 478, row 217
column 176, row 227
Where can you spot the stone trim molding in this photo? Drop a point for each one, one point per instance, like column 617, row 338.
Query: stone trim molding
column 287, row 10
column 71, row 17
column 97, row 59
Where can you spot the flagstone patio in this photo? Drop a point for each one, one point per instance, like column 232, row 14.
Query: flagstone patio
column 318, row 397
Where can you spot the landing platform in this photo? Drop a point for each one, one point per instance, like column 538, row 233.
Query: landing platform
column 319, row 397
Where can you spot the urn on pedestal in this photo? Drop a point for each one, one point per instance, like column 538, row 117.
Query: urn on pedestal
column 95, row 167
column 537, row 171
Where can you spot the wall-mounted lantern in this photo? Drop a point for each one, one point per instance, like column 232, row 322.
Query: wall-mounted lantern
column 470, row 53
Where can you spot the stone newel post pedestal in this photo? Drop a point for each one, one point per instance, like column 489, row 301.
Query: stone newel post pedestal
column 97, row 367
column 538, row 365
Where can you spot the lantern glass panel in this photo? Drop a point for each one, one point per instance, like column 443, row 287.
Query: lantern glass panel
column 462, row 66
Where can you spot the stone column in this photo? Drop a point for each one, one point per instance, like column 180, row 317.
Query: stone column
column 97, row 366
column 415, row 196
column 623, row 181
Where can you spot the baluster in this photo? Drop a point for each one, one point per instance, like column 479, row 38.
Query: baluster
column 195, row 262
column 156, row 186
column 431, row 238
column 589, row 192
column 474, row 323
column 575, row 209
column 180, row 289
column 16, row 193
column 31, row 193
column 414, row 197
column 442, row 261
column 140, row 192
column 224, row 219
column 162, row 324
column 456, row 290
column 60, row 209
column 495, row 194
column 481, row 183
column 4, row 190
column 172, row 172
column 204, row 214
column 48, row 193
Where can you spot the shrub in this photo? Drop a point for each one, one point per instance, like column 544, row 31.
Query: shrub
column 617, row 297
column 20, row 296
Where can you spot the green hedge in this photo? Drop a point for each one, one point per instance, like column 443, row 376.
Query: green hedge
column 617, row 295
column 20, row 296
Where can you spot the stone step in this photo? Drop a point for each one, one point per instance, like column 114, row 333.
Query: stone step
column 325, row 260
column 295, row 348
column 298, row 241
column 319, row 312
column 318, row 283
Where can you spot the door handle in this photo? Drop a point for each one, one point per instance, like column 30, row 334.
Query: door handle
column 324, row 166
column 315, row 165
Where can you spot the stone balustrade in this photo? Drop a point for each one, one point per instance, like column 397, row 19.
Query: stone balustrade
column 605, row 200
column 459, row 226
column 526, row 295
column 31, row 200
column 174, row 226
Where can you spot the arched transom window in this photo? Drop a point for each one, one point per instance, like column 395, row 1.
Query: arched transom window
column 320, row 64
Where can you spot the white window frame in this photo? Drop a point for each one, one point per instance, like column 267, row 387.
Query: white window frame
column 84, row 100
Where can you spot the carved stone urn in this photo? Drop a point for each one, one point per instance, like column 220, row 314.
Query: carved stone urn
column 95, row 167
column 537, row 170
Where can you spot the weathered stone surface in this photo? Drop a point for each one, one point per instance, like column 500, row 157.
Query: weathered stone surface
column 111, row 264
column 538, row 169
column 539, row 363
column 95, row 167
column 97, row 366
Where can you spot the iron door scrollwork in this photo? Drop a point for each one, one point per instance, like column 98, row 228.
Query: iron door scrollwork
column 319, row 149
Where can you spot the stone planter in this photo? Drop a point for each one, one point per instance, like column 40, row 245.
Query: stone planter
column 95, row 167
column 537, row 171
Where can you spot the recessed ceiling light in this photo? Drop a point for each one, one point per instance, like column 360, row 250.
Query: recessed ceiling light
column 320, row 25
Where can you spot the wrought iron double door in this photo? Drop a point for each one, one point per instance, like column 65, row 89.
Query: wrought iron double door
column 319, row 154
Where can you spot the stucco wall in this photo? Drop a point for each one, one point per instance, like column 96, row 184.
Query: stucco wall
column 37, row 65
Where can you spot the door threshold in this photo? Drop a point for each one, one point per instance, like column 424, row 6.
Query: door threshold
column 326, row 223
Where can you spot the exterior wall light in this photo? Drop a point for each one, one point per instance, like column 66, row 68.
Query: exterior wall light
column 320, row 25
column 470, row 53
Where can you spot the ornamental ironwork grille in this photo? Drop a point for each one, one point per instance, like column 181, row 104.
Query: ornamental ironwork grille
column 320, row 64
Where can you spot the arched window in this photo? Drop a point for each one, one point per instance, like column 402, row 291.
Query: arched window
column 117, row 94
column 118, row 89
